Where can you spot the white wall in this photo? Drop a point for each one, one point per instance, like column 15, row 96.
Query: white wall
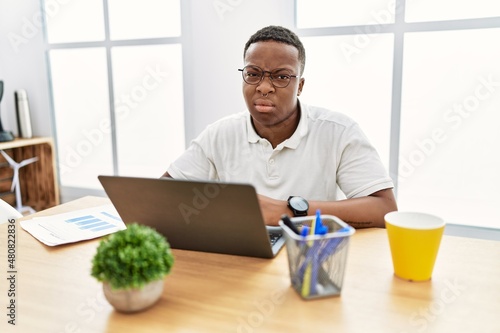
column 22, row 64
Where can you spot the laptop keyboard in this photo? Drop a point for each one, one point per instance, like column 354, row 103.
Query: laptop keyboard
column 274, row 237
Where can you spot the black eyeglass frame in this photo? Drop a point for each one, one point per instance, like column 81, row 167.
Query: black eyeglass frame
column 263, row 74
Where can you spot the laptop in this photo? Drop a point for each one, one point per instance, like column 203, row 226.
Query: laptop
column 196, row 215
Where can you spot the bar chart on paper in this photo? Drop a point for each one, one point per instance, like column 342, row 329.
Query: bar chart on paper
column 75, row 226
column 93, row 223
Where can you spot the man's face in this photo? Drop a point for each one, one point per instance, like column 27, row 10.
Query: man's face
column 280, row 103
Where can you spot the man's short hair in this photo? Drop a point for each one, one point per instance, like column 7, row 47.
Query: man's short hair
column 281, row 35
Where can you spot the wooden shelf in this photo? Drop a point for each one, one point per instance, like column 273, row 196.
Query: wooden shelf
column 38, row 180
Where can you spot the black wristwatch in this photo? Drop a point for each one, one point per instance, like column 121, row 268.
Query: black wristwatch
column 298, row 205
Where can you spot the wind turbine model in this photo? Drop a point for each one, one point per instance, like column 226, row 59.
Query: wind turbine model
column 15, row 180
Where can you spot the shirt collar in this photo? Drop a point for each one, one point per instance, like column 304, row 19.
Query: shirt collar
column 301, row 131
column 253, row 137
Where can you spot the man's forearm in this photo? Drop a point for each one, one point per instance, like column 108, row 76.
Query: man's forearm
column 362, row 212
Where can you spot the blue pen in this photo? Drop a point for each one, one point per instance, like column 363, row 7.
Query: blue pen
column 329, row 248
column 305, row 231
column 320, row 229
column 308, row 269
column 332, row 245
column 311, row 263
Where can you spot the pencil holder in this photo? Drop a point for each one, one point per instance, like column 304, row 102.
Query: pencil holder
column 317, row 262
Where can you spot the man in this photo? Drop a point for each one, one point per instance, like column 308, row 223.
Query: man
column 297, row 156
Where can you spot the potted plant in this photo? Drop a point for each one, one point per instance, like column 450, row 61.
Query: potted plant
column 132, row 264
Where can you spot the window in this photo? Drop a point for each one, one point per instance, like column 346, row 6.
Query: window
column 132, row 19
column 81, row 107
column 116, row 88
column 68, row 22
column 434, row 10
column 338, row 13
column 361, row 89
column 148, row 91
column 423, row 80
column 450, row 143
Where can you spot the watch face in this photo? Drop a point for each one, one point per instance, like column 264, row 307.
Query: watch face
column 299, row 204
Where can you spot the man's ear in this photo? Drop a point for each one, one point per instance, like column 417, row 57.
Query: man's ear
column 301, row 86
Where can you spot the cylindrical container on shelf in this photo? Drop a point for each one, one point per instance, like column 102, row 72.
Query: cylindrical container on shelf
column 23, row 114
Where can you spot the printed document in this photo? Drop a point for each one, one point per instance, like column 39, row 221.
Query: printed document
column 74, row 226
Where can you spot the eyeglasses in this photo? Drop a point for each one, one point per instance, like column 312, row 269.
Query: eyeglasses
column 280, row 78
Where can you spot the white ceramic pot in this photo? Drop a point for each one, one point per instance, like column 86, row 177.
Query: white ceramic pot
column 132, row 300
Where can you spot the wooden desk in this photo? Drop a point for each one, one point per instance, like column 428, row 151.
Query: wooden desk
column 220, row 293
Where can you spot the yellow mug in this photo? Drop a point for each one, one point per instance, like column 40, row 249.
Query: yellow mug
column 414, row 239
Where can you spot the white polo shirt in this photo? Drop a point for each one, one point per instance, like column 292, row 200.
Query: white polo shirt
column 327, row 152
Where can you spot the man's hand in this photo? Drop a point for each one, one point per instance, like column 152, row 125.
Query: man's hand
column 272, row 209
